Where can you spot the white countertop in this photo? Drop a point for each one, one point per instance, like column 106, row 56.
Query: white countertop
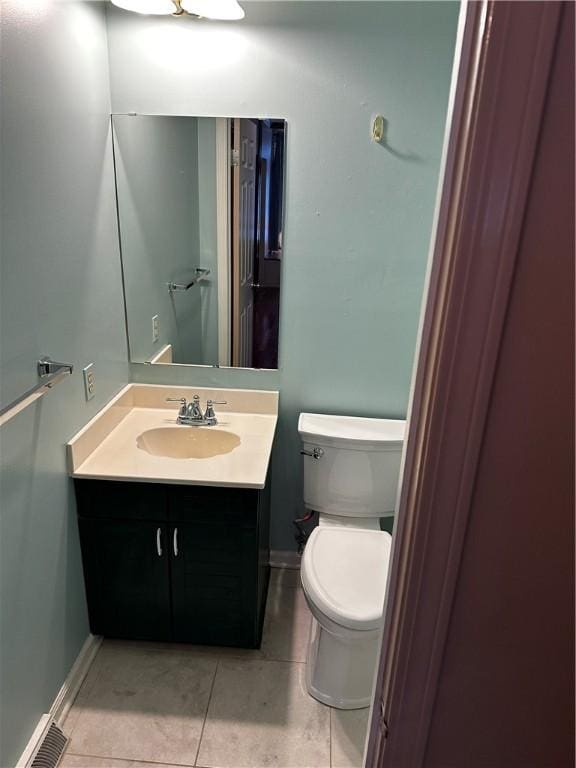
column 106, row 449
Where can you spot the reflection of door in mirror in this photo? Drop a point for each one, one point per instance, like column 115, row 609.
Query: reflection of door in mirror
column 257, row 185
column 244, row 143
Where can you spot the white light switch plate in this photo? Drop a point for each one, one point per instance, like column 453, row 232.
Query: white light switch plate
column 89, row 381
column 155, row 328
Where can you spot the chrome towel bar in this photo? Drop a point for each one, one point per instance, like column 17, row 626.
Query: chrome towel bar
column 201, row 274
column 50, row 373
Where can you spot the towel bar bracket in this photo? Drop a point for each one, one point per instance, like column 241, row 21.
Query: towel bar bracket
column 50, row 373
column 201, row 274
column 47, row 367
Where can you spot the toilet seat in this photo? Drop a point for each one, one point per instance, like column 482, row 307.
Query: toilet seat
column 344, row 573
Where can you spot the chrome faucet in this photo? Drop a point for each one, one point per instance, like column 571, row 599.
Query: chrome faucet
column 194, row 412
column 191, row 413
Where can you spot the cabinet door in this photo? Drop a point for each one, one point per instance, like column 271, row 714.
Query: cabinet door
column 214, row 584
column 127, row 578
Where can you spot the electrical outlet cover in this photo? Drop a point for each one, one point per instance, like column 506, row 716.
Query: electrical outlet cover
column 89, row 381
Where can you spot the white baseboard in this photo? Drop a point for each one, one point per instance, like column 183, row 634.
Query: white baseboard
column 26, row 756
column 284, row 558
column 65, row 696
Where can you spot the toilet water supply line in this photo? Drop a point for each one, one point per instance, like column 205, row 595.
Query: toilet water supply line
column 301, row 536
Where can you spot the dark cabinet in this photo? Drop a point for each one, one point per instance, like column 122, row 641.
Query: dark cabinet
column 212, row 588
column 184, row 563
column 127, row 582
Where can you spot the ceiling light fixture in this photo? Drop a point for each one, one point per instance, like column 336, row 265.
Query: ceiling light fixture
column 221, row 10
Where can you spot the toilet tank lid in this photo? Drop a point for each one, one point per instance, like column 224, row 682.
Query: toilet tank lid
column 355, row 430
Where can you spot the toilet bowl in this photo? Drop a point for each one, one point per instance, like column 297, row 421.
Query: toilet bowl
column 351, row 470
column 344, row 574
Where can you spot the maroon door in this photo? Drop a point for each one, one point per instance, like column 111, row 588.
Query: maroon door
column 479, row 671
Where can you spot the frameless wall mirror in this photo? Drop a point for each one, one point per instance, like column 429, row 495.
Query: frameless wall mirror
column 200, row 211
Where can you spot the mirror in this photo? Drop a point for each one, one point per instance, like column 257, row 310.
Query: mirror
column 200, row 213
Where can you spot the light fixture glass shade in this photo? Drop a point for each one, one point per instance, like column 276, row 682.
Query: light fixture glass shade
column 155, row 7
column 225, row 10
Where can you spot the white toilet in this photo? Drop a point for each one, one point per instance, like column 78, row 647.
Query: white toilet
column 351, row 470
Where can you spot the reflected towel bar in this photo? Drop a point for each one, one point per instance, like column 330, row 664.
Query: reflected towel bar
column 50, row 373
column 201, row 274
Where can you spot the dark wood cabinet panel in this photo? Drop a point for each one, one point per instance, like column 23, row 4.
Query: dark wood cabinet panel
column 127, row 578
column 202, row 504
column 126, row 501
column 214, row 585
column 209, row 583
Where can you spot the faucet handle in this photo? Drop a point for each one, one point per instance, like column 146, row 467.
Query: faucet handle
column 210, row 416
column 182, row 401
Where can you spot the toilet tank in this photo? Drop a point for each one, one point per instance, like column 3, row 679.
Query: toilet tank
column 358, row 465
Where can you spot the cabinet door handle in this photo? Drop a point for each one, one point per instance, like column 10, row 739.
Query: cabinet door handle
column 175, row 542
column 159, row 541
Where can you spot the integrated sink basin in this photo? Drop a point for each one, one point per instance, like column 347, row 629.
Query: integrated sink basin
column 137, row 437
column 187, row 442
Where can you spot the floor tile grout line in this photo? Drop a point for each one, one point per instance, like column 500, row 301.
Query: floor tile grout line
column 129, row 760
column 215, row 654
column 330, row 732
column 267, row 661
column 206, row 713
column 218, row 657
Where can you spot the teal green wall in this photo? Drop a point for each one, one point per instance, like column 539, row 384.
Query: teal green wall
column 60, row 295
column 166, row 186
column 358, row 215
column 156, row 162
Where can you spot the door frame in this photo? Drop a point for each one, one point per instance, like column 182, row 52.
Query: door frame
column 499, row 96
column 223, row 255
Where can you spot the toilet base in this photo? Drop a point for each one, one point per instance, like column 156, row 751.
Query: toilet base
column 341, row 664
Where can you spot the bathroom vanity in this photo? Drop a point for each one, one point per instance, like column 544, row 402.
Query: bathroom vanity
column 175, row 548
column 174, row 562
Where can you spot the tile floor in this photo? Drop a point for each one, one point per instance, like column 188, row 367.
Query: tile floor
column 158, row 705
